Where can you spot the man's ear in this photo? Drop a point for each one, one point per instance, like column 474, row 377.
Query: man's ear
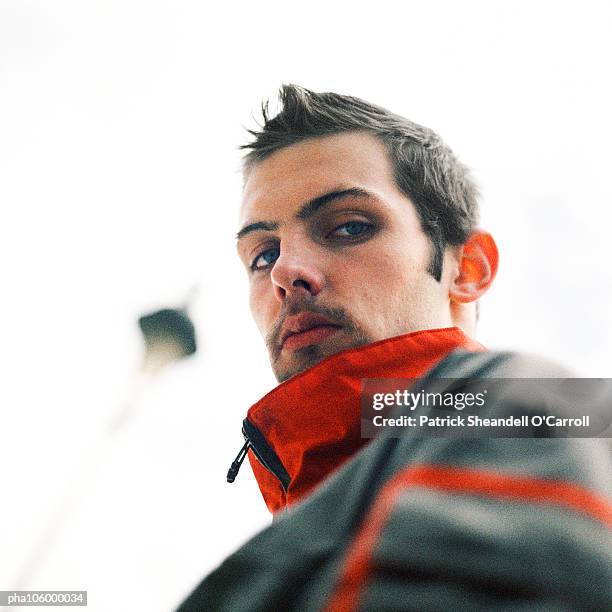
column 477, row 268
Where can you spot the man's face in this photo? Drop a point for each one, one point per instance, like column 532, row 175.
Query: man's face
column 335, row 252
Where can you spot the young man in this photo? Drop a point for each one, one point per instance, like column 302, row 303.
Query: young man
column 359, row 234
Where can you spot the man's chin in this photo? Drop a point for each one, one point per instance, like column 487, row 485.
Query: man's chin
column 291, row 363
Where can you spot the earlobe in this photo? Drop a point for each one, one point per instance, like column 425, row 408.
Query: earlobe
column 477, row 268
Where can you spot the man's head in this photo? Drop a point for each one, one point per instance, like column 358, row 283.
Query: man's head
column 356, row 225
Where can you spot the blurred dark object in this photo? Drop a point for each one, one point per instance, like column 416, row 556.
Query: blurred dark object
column 169, row 325
column 169, row 335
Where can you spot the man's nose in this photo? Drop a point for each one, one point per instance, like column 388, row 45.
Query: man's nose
column 295, row 273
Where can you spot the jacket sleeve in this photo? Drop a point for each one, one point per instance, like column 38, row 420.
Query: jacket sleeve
column 422, row 523
column 486, row 523
column 442, row 536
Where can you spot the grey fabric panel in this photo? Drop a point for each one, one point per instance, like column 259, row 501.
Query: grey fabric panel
column 394, row 594
column 441, row 546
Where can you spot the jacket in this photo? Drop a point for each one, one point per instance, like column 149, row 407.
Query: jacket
column 413, row 522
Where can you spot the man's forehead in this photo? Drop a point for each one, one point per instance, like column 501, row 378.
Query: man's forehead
column 305, row 170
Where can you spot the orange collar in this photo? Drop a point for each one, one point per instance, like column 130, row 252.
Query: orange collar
column 309, row 425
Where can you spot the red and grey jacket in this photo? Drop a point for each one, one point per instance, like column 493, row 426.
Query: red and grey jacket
column 415, row 523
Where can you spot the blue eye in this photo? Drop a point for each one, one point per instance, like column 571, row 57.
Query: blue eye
column 266, row 258
column 351, row 229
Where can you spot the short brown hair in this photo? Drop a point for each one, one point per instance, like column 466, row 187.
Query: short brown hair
column 426, row 170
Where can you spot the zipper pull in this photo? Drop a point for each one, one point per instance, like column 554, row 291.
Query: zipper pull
column 235, row 467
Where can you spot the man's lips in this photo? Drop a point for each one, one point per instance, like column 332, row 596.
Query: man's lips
column 310, row 336
column 305, row 329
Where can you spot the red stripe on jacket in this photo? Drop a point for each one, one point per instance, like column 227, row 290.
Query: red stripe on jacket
column 358, row 564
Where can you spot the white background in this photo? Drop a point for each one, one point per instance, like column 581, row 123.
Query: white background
column 119, row 191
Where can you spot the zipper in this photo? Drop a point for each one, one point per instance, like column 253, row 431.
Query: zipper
column 237, row 462
column 255, row 441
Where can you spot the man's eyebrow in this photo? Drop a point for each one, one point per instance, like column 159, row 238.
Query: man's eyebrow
column 253, row 227
column 311, row 207
column 307, row 210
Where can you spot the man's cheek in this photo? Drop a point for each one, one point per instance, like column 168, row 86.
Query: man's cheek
column 262, row 310
column 256, row 306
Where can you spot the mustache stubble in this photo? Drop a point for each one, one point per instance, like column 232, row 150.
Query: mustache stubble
column 336, row 315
